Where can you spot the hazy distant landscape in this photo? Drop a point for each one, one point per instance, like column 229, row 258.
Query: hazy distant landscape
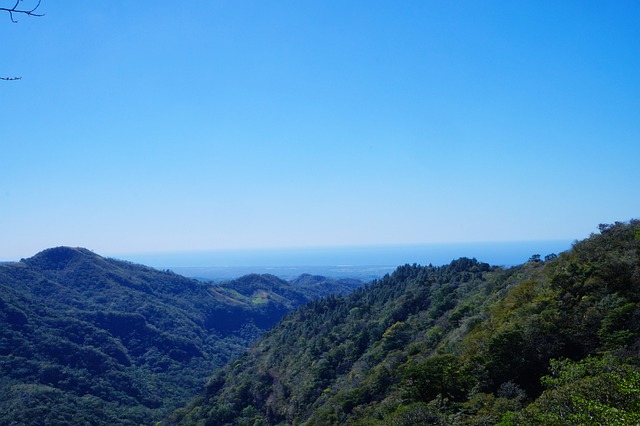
column 365, row 263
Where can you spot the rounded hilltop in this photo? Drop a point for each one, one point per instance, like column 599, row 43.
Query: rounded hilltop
column 60, row 257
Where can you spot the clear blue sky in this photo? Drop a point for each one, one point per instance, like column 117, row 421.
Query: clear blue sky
column 165, row 125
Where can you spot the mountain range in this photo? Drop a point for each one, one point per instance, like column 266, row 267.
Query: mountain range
column 554, row 341
column 91, row 340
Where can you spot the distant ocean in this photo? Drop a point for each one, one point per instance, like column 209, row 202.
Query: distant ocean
column 365, row 262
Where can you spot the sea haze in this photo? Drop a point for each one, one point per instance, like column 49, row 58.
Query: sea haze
column 364, row 262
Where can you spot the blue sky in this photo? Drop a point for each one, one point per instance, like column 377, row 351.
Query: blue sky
column 168, row 126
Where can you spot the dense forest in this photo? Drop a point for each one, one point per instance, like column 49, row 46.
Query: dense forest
column 95, row 341
column 87, row 340
column 554, row 341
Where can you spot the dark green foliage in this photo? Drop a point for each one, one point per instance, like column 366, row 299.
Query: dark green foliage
column 462, row 344
column 596, row 390
column 89, row 340
column 443, row 375
column 337, row 357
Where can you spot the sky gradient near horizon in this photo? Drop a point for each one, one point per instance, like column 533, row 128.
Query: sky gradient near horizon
column 212, row 125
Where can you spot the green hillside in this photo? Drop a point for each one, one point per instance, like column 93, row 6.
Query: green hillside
column 90, row 340
column 550, row 342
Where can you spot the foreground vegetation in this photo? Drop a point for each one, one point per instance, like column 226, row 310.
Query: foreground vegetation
column 87, row 340
column 553, row 342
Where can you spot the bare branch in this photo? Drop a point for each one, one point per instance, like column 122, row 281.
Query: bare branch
column 15, row 9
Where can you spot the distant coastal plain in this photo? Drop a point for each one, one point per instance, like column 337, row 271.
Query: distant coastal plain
column 362, row 262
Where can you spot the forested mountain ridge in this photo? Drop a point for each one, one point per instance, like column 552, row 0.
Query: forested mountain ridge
column 90, row 340
column 265, row 299
column 551, row 342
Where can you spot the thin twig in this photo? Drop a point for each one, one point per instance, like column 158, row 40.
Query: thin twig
column 28, row 12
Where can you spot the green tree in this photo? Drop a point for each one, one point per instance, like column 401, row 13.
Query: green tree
column 443, row 375
column 596, row 390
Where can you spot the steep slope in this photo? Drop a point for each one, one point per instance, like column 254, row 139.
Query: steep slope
column 460, row 344
column 343, row 351
column 89, row 339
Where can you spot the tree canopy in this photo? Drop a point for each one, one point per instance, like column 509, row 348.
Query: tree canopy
column 551, row 341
